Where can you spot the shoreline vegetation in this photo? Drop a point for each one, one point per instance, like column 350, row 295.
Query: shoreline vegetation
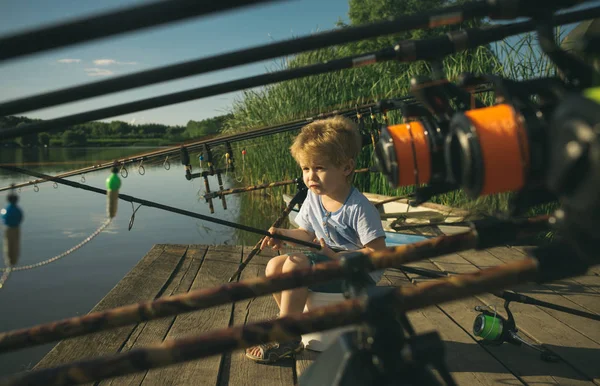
column 114, row 134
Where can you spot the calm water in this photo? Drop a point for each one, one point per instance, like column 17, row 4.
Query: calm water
column 57, row 219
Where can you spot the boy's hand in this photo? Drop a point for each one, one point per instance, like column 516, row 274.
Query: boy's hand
column 325, row 250
column 270, row 241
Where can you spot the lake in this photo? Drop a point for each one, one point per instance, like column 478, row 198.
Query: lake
column 56, row 219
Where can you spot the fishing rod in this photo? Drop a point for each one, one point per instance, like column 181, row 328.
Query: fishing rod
column 269, row 185
column 494, row 329
column 483, row 234
column 403, row 52
column 298, row 198
column 156, row 205
column 111, row 23
column 212, row 142
column 546, row 264
column 444, row 16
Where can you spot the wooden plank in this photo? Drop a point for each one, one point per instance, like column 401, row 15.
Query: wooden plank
column 469, row 363
column 243, row 370
column 304, row 360
column 573, row 347
column 586, row 296
column 219, row 263
column 144, row 282
column 155, row 331
column 521, row 362
column 544, row 293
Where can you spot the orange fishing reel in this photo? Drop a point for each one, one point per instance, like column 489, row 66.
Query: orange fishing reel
column 411, row 153
column 503, row 148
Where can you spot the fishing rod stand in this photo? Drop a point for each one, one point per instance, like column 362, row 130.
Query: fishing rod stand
column 357, row 282
column 379, row 352
column 504, row 330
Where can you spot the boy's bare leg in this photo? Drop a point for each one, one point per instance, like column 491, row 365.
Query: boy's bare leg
column 275, row 267
column 296, row 297
column 293, row 301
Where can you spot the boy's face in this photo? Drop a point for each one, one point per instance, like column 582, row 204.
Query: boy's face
column 323, row 177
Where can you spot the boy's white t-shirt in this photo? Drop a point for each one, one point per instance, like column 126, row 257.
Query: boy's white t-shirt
column 351, row 227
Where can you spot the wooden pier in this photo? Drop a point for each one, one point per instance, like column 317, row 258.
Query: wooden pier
column 173, row 269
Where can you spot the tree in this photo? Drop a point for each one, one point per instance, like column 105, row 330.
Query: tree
column 370, row 11
column 28, row 140
column 44, row 139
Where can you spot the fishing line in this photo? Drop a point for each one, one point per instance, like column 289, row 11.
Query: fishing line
column 60, row 256
column 167, row 208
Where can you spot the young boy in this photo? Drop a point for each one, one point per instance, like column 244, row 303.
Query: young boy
column 334, row 213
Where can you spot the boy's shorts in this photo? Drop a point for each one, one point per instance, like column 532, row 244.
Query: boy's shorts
column 332, row 286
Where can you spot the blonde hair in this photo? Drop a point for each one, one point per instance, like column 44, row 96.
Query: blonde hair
column 336, row 139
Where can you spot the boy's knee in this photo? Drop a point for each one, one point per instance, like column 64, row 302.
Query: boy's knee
column 274, row 265
column 295, row 261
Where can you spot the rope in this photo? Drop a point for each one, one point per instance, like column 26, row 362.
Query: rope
column 57, row 257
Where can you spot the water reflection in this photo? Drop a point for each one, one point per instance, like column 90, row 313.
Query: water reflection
column 57, row 219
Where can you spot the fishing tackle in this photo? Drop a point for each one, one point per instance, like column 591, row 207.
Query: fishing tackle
column 167, row 164
column 206, row 149
column 412, row 153
column 240, row 179
column 375, row 131
column 12, row 216
column 229, row 157
column 220, row 180
column 494, row 329
column 141, row 169
column 113, row 184
column 369, row 355
column 200, row 159
column 208, row 195
column 124, row 173
column 185, row 160
column 484, row 143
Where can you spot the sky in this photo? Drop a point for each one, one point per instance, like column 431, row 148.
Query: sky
column 150, row 48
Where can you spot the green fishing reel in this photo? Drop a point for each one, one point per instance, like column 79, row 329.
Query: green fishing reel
column 488, row 326
column 494, row 329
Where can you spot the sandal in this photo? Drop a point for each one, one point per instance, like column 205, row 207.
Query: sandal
column 272, row 352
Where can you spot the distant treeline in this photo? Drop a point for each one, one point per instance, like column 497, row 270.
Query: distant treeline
column 115, row 133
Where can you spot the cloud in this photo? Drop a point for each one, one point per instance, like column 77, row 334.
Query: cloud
column 98, row 72
column 110, row 62
column 69, row 60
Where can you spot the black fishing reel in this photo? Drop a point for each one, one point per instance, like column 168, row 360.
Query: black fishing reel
column 494, row 329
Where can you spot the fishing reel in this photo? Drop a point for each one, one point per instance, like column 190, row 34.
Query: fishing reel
column 503, row 148
column 412, row 153
column 494, row 329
